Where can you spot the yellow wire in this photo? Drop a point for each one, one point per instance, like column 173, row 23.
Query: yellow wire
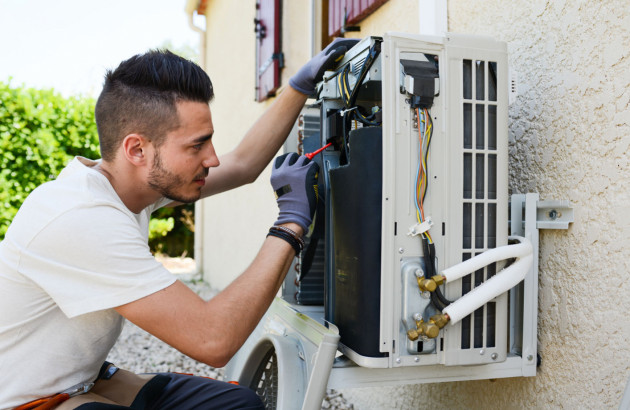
column 422, row 180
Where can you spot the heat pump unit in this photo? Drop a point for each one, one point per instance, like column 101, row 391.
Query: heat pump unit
column 408, row 274
column 415, row 182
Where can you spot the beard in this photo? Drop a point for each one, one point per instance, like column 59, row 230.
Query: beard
column 167, row 183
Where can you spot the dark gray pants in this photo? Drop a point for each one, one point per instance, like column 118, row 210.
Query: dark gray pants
column 174, row 391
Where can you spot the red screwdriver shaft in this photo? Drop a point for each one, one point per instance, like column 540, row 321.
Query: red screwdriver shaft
column 312, row 154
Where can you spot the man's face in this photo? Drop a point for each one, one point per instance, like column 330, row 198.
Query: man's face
column 181, row 163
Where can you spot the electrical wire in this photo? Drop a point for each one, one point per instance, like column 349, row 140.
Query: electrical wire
column 350, row 110
column 425, row 130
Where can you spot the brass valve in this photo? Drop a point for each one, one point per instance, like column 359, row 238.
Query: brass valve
column 413, row 334
column 426, row 285
column 429, row 285
column 430, row 330
column 427, row 329
column 440, row 320
column 438, row 279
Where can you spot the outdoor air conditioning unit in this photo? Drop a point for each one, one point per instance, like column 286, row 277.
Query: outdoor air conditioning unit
column 415, row 182
column 413, row 189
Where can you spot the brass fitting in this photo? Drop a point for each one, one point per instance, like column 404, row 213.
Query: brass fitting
column 413, row 334
column 438, row 279
column 426, row 285
column 429, row 285
column 423, row 328
column 440, row 320
column 430, row 330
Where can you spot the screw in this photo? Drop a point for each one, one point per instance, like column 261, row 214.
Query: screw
column 530, row 357
column 553, row 214
column 494, row 356
column 416, row 359
column 401, row 250
column 481, row 352
column 398, row 360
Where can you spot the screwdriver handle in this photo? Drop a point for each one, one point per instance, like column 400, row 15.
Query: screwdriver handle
column 312, row 154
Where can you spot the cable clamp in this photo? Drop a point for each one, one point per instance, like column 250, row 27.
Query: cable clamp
column 420, row 228
column 343, row 112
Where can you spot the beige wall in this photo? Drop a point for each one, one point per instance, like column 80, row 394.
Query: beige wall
column 235, row 223
column 569, row 139
column 233, row 226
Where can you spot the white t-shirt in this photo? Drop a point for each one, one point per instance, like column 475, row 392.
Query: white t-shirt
column 72, row 253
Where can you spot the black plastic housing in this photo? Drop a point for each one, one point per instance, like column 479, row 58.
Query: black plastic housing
column 356, row 192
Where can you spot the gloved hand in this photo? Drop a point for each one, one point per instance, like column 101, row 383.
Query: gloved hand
column 313, row 71
column 294, row 180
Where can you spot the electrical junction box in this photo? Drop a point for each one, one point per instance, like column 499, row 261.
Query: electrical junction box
column 379, row 107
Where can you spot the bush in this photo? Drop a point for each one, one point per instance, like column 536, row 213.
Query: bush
column 180, row 239
column 40, row 132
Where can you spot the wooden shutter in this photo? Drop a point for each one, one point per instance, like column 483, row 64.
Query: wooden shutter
column 269, row 58
column 343, row 13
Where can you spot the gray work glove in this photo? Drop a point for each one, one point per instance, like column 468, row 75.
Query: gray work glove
column 313, row 71
column 294, row 180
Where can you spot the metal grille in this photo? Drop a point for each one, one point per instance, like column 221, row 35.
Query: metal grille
column 479, row 196
column 265, row 380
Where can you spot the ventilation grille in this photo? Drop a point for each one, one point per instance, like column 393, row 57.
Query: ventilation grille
column 358, row 66
column 479, row 196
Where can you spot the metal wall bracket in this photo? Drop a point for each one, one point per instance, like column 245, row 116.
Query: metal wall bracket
column 554, row 214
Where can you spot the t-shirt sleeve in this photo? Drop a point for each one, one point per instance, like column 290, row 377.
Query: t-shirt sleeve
column 89, row 261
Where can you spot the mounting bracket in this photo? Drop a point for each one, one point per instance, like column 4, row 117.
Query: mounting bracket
column 554, row 214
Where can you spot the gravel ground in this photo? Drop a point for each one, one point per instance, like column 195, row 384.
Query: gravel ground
column 140, row 352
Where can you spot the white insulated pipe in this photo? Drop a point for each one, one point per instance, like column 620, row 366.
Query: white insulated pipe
column 490, row 256
column 503, row 281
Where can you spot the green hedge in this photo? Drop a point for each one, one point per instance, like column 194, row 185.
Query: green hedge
column 40, row 132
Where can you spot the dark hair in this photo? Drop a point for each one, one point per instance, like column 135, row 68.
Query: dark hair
column 140, row 97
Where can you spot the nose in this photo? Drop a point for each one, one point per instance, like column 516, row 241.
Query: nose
column 211, row 160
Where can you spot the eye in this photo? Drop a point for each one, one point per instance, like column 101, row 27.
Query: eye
column 197, row 147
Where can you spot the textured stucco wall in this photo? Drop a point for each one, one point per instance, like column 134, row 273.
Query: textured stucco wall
column 235, row 223
column 569, row 139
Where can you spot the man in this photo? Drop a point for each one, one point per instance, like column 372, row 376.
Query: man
column 75, row 261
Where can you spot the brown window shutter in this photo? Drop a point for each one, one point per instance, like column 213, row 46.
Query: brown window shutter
column 269, row 58
column 342, row 14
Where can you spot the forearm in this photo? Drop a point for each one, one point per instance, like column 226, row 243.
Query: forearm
column 237, row 310
column 244, row 302
column 212, row 331
column 264, row 139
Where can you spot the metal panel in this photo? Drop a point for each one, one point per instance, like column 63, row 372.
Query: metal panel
column 477, row 94
column 269, row 58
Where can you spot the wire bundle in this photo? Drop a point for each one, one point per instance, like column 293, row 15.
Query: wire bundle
column 425, row 131
column 350, row 111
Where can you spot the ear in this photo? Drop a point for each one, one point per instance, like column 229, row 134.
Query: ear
column 136, row 149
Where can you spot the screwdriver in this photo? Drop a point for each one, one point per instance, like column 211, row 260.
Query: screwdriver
column 312, row 154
